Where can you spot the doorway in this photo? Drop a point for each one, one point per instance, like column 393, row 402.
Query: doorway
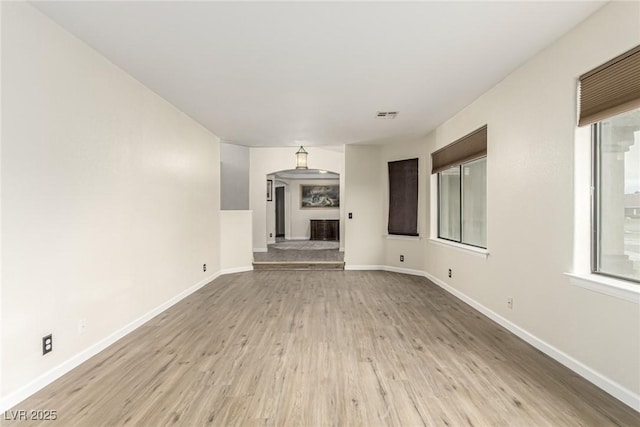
column 280, row 215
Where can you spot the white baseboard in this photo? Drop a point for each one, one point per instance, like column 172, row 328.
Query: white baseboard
column 297, row 238
column 403, row 270
column 386, row 268
column 260, row 249
column 363, row 267
column 53, row 374
column 236, row 270
column 616, row 390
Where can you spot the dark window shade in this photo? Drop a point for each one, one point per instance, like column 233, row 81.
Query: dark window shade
column 612, row 88
column 467, row 148
column 403, row 197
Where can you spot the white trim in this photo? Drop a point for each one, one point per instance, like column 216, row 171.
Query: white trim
column 260, row 249
column 606, row 285
column 53, row 374
column 298, row 238
column 616, row 390
column 385, row 268
column 401, row 237
column 236, row 270
column 403, row 270
column 341, row 250
column 460, row 247
column 363, row 267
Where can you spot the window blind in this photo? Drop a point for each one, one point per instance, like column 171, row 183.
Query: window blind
column 611, row 88
column 470, row 147
column 403, row 197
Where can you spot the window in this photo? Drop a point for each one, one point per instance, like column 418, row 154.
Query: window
column 462, row 203
column 616, row 183
column 461, row 169
column 403, row 197
column 610, row 103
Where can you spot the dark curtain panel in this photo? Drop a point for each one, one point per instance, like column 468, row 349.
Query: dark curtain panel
column 403, row 197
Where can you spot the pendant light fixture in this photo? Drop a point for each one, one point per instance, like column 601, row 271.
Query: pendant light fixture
column 301, row 159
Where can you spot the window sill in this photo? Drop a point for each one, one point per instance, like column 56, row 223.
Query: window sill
column 460, row 247
column 607, row 285
column 400, row 237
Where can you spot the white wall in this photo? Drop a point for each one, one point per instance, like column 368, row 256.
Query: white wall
column 363, row 197
column 235, row 241
column 531, row 118
column 266, row 160
column 367, row 197
column 234, row 177
column 296, row 218
column 110, row 198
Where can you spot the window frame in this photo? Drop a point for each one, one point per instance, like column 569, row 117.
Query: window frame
column 461, row 207
column 596, row 174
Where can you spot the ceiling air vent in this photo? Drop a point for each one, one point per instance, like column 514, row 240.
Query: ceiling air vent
column 386, row 114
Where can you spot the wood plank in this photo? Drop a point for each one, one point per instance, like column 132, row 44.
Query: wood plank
column 356, row 348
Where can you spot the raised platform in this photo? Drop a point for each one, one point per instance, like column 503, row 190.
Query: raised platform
column 298, row 265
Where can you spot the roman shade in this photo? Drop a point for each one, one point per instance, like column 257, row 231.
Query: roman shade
column 610, row 89
column 465, row 149
column 403, row 197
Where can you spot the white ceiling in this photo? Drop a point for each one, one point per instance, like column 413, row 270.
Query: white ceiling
column 316, row 73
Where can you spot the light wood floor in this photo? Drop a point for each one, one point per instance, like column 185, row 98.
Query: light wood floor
column 339, row 348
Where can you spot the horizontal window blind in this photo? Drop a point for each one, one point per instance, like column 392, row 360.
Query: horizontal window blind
column 470, row 147
column 403, row 197
column 611, row 88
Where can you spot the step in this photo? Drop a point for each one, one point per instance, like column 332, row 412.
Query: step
column 298, row 265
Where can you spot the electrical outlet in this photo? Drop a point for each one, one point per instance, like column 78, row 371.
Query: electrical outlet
column 204, row 267
column 350, row 215
column 270, row 234
column 401, row 258
column 510, row 303
column 450, row 273
column 47, row 344
column 82, row 325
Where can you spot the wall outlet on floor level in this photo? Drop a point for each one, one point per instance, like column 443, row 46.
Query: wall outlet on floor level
column 510, row 303
column 270, row 234
column 450, row 273
column 204, row 267
column 82, row 325
column 47, row 344
column 401, row 258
